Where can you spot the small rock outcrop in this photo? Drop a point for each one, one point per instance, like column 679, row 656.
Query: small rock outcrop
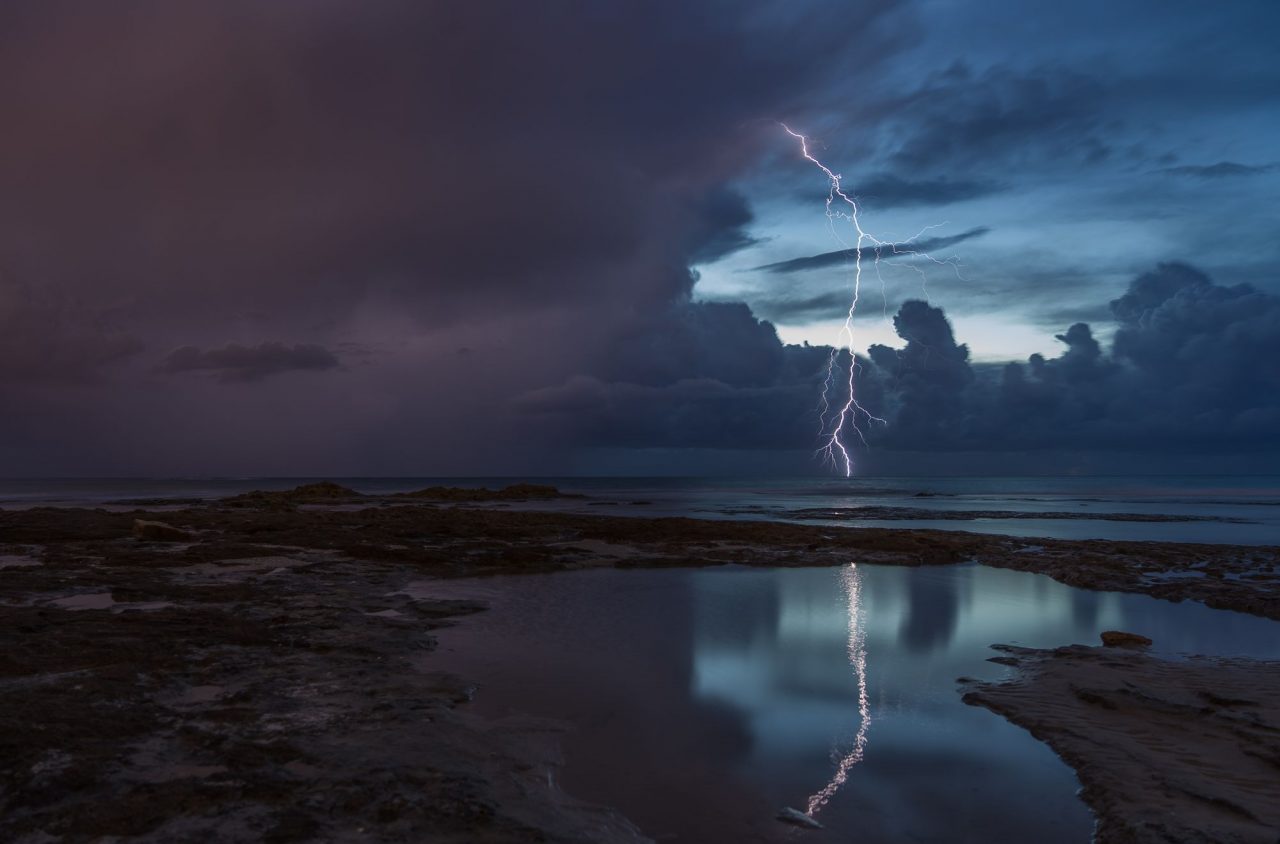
column 158, row 531
column 322, row 492
column 514, row 492
column 795, row 817
column 1121, row 639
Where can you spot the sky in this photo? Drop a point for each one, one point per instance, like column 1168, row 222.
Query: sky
column 320, row 237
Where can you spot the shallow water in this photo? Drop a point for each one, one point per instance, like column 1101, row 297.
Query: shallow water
column 702, row 701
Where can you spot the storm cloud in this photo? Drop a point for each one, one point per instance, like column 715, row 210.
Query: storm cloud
column 234, row 362
column 1192, row 365
column 384, row 185
column 48, row 335
column 523, row 181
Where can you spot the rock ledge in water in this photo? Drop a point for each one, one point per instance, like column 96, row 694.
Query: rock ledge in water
column 797, row 818
column 1121, row 639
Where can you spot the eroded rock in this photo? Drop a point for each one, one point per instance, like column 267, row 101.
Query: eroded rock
column 1121, row 639
column 1166, row 749
column 795, row 817
column 151, row 531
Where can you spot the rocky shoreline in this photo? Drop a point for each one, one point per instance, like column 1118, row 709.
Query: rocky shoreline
column 1167, row 750
column 258, row 674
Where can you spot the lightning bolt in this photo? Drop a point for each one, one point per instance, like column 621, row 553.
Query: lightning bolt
column 837, row 420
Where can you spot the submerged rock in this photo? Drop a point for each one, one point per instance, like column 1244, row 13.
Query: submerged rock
column 797, row 818
column 158, row 531
column 1121, row 639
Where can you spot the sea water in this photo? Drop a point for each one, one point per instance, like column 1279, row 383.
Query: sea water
column 1255, row 500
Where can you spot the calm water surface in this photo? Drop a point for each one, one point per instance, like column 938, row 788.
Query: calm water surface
column 701, row 701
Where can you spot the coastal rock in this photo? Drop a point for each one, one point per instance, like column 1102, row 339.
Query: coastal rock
column 514, row 492
column 1121, row 639
column 798, row 818
column 1179, row 749
column 322, row 492
column 158, row 531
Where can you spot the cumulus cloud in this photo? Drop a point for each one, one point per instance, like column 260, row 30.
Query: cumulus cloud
column 1192, row 364
column 234, row 362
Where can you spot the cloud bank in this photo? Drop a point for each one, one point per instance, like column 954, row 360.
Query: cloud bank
column 1191, row 366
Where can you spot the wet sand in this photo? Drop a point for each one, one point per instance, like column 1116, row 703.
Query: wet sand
column 1167, row 750
column 263, row 675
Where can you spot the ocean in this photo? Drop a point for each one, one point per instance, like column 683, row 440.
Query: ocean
column 1241, row 510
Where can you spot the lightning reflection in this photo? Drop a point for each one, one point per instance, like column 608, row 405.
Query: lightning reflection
column 851, row 581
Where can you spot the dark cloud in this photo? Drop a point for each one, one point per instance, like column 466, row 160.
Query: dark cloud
column 530, row 182
column 709, row 374
column 921, row 387
column 803, row 309
column 49, row 335
column 998, row 118
column 723, row 341
column 722, row 217
column 234, row 362
column 892, row 191
column 1188, row 367
column 1191, row 366
column 1221, row 170
column 694, row 413
column 888, row 250
column 292, row 161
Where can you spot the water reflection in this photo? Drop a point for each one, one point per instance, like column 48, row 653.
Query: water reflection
column 1085, row 607
column 725, row 691
column 851, row 580
column 933, row 608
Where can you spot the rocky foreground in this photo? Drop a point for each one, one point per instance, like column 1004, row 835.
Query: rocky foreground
column 251, row 669
column 1185, row 750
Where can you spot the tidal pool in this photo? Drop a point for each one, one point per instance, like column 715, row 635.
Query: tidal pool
column 701, row 701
